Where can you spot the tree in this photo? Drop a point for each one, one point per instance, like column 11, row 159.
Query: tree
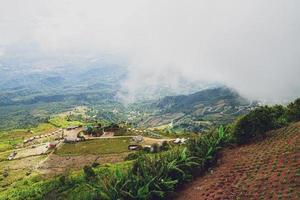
column 89, row 129
column 293, row 111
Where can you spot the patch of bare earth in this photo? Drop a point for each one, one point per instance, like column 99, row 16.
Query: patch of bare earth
column 269, row 169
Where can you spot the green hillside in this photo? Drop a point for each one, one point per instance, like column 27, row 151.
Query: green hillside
column 199, row 111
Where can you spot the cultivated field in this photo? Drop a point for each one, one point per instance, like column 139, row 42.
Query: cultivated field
column 269, row 169
column 95, row 147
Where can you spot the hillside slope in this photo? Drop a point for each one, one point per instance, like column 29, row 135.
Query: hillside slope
column 269, row 169
column 198, row 111
column 208, row 97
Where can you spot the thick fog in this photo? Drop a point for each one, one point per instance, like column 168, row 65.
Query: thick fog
column 251, row 45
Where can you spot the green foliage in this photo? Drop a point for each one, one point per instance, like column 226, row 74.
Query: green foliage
column 89, row 129
column 89, row 173
column 151, row 177
column 155, row 148
column 95, row 164
column 63, row 122
column 154, row 176
column 256, row 123
column 165, row 146
column 8, row 139
column 293, row 110
column 133, row 156
column 205, row 147
column 62, row 179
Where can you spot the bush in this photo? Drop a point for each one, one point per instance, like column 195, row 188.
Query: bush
column 147, row 149
column 205, row 147
column 256, row 123
column 5, row 173
column 293, row 110
column 132, row 156
column 89, row 173
column 155, row 148
column 95, row 164
column 165, row 146
column 62, row 179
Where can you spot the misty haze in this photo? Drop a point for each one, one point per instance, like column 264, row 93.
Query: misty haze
column 145, row 99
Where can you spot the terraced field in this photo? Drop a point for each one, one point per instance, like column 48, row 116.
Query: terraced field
column 269, row 169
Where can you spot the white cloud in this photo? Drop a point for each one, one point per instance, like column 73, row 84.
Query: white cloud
column 251, row 45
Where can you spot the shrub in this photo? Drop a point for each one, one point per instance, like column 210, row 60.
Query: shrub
column 25, row 182
column 293, row 110
column 95, row 164
column 5, row 173
column 256, row 123
column 132, row 156
column 89, row 173
column 206, row 146
column 147, row 149
column 62, row 179
column 155, row 148
column 165, row 146
column 279, row 115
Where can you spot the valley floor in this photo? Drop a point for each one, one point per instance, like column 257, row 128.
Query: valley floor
column 269, row 169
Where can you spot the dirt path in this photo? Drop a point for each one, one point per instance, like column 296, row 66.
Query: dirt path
column 269, row 169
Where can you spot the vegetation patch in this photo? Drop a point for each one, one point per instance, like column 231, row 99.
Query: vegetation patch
column 9, row 139
column 256, row 123
column 95, row 147
column 62, row 122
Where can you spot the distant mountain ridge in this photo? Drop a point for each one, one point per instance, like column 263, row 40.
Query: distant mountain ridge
column 186, row 103
column 198, row 111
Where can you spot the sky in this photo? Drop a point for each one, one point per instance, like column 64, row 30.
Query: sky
column 251, row 45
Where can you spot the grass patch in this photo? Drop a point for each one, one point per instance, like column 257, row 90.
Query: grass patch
column 62, row 122
column 14, row 176
column 8, row 139
column 96, row 147
column 22, row 133
column 4, row 155
column 5, row 146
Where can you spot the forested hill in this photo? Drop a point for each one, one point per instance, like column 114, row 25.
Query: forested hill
column 209, row 97
column 198, row 111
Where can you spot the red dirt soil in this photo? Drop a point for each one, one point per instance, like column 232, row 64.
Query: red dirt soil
column 269, row 169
